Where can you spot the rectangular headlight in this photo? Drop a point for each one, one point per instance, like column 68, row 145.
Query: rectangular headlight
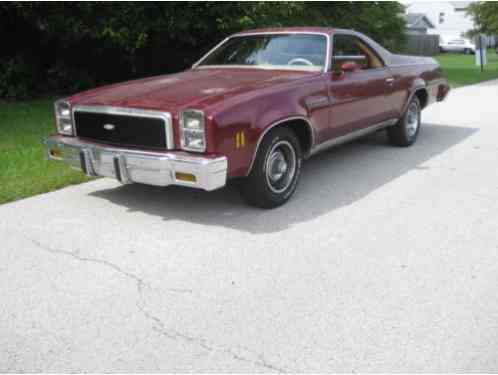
column 192, row 131
column 63, row 117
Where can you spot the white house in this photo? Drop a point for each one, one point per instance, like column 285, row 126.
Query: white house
column 449, row 18
column 417, row 23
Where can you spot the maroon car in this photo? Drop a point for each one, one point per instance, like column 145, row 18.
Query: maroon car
column 252, row 108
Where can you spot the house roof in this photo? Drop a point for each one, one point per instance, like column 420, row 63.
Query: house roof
column 461, row 4
column 417, row 20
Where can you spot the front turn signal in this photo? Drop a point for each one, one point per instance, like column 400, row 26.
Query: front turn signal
column 55, row 153
column 180, row 176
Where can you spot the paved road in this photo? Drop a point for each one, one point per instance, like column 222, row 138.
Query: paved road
column 385, row 260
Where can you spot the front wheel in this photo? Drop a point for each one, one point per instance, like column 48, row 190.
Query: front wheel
column 405, row 132
column 276, row 170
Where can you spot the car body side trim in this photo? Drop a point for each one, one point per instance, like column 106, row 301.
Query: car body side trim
column 409, row 64
column 351, row 136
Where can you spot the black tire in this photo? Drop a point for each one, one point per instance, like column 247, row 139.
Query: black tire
column 466, row 51
column 264, row 189
column 403, row 134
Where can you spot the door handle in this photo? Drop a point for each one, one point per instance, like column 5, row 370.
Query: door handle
column 390, row 81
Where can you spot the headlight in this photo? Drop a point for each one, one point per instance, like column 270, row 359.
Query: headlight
column 192, row 131
column 63, row 118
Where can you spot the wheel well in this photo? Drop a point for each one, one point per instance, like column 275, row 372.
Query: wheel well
column 422, row 97
column 303, row 131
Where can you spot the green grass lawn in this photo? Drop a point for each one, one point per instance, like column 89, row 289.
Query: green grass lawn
column 23, row 168
column 461, row 69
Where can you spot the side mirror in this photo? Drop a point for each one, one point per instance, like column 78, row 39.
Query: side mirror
column 349, row 66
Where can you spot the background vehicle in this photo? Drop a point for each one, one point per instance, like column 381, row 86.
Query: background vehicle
column 251, row 109
column 456, row 44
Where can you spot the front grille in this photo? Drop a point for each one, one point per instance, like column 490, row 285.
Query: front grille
column 124, row 129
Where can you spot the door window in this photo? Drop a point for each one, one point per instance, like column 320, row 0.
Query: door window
column 348, row 48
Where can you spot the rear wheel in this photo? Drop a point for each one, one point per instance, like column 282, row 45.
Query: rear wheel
column 276, row 170
column 405, row 132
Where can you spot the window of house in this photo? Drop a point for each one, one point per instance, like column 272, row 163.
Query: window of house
column 441, row 17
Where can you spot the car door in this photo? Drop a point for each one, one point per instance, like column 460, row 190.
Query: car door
column 358, row 99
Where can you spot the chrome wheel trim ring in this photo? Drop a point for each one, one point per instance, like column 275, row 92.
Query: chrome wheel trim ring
column 280, row 166
column 412, row 119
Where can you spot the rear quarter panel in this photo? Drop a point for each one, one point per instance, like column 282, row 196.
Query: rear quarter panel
column 411, row 74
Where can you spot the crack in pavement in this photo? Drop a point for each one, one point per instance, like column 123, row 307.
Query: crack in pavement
column 160, row 326
column 103, row 262
column 175, row 335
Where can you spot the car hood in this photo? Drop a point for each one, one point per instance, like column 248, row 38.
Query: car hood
column 196, row 88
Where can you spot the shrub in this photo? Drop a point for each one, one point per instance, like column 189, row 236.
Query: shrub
column 16, row 78
column 62, row 79
column 66, row 47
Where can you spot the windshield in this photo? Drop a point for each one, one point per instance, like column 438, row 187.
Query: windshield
column 271, row 51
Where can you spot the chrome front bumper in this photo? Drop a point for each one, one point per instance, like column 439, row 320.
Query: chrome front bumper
column 146, row 167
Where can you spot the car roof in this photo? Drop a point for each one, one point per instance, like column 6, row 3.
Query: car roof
column 321, row 30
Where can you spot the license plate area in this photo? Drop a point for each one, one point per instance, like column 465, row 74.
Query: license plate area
column 112, row 164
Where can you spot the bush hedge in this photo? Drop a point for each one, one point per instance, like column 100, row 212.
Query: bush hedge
column 59, row 48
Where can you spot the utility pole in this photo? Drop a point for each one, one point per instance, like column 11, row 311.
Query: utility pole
column 480, row 57
column 481, row 52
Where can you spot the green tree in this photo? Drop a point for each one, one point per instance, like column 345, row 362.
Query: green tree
column 65, row 47
column 485, row 14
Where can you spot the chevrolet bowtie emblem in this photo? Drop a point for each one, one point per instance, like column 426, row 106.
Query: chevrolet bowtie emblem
column 109, row 127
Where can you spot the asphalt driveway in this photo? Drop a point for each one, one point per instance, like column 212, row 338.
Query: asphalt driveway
column 385, row 260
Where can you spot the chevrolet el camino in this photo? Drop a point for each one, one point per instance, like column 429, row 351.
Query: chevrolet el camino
column 251, row 109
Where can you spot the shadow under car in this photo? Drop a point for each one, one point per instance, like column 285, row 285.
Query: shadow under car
column 330, row 180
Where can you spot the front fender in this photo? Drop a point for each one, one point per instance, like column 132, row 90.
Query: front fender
column 240, row 128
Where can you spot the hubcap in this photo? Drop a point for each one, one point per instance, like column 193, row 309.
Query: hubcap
column 412, row 120
column 280, row 166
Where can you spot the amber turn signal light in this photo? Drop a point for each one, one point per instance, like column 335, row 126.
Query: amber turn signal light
column 185, row 177
column 55, row 153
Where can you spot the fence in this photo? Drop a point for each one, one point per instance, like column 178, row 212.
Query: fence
column 422, row 44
